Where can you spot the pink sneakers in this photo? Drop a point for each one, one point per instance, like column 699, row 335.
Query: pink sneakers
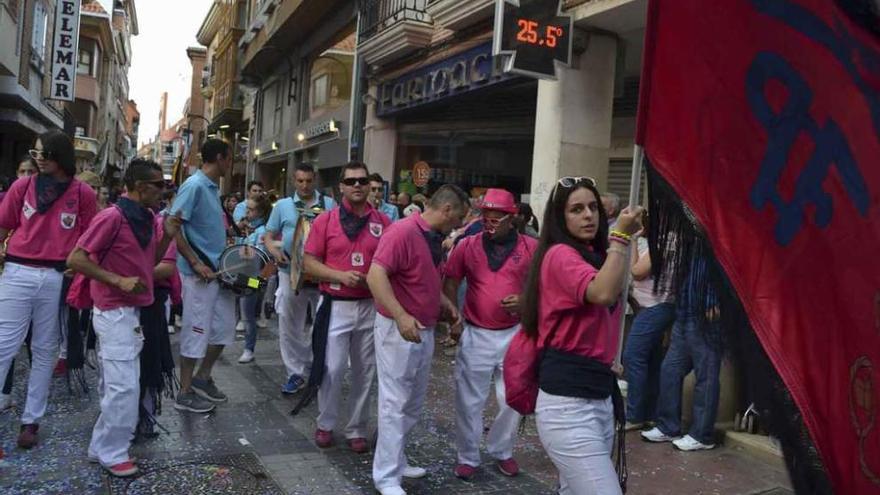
column 465, row 472
column 323, row 438
column 508, row 467
column 123, row 469
column 358, row 445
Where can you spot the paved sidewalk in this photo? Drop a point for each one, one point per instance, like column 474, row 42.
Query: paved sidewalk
column 252, row 445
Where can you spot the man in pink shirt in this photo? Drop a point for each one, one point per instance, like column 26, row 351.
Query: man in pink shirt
column 46, row 214
column 339, row 252
column 495, row 264
column 405, row 281
column 118, row 252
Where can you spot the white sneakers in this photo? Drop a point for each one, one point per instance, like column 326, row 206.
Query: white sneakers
column 246, row 357
column 688, row 443
column 262, row 323
column 654, row 435
column 414, row 472
column 6, row 402
column 239, row 327
column 391, row 490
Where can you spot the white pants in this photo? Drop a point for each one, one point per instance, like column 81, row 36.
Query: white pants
column 350, row 337
column 120, row 341
column 403, row 369
column 31, row 295
column 208, row 317
column 578, row 435
column 480, row 359
column 294, row 339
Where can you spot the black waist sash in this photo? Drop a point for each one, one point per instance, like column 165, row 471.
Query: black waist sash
column 55, row 265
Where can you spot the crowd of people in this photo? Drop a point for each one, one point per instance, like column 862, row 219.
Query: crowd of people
column 379, row 273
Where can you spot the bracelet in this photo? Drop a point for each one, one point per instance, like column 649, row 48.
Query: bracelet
column 622, row 235
column 619, row 240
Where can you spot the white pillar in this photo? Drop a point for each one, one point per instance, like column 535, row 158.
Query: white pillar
column 380, row 141
column 573, row 121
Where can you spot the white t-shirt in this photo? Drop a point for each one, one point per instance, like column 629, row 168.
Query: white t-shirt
column 643, row 290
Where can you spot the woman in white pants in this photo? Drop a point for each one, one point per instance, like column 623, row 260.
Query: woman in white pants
column 570, row 303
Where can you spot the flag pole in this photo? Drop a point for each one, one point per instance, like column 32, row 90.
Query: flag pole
column 635, row 187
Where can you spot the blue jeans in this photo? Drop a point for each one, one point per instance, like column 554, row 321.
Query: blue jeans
column 642, row 357
column 690, row 349
column 249, row 308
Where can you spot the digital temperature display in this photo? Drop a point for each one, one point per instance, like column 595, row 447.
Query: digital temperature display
column 534, row 34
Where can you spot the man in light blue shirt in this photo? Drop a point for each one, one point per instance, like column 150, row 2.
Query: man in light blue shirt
column 377, row 198
column 254, row 191
column 208, row 310
column 291, row 305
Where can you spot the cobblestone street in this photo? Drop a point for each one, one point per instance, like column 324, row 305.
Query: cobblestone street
column 252, row 445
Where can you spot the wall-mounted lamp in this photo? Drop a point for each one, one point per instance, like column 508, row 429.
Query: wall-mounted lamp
column 274, row 146
column 333, row 127
column 257, row 152
column 300, row 137
column 224, row 126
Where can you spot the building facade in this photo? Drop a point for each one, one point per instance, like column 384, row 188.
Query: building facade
column 299, row 58
column 26, row 28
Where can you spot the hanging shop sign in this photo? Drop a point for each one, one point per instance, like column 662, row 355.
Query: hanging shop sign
column 534, row 36
column 468, row 71
column 421, row 174
column 64, row 50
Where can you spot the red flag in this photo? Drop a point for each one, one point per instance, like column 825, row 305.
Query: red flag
column 764, row 117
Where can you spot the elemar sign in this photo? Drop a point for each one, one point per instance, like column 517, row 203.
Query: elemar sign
column 64, row 50
column 468, row 71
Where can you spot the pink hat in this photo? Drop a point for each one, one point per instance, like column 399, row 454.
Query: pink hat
column 499, row 200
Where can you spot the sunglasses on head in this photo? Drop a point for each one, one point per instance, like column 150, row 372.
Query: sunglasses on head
column 39, row 154
column 351, row 181
column 570, row 182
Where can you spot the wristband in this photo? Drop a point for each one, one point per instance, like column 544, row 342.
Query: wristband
column 622, row 235
column 619, row 240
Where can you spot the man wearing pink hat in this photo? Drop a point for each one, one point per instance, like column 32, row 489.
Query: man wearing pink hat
column 495, row 264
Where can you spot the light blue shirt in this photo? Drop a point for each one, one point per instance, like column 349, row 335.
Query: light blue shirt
column 240, row 211
column 390, row 211
column 285, row 216
column 198, row 201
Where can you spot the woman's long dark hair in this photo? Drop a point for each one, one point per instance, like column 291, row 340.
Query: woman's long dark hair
column 555, row 232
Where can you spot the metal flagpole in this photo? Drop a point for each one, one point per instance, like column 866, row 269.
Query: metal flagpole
column 634, row 193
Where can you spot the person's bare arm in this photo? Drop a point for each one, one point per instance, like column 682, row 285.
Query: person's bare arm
column 605, row 289
column 163, row 271
column 380, row 287
column 192, row 258
column 642, row 267
column 79, row 262
column 275, row 247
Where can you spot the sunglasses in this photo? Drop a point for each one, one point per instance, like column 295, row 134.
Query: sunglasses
column 351, row 181
column 570, row 182
column 39, row 154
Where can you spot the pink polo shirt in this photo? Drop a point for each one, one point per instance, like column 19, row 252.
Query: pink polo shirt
column 579, row 328
column 170, row 253
column 485, row 288
column 50, row 236
column 404, row 253
column 327, row 242
column 109, row 238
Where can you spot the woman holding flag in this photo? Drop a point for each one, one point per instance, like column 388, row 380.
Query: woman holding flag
column 571, row 299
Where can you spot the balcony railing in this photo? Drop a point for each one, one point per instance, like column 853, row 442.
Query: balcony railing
column 228, row 97
column 378, row 15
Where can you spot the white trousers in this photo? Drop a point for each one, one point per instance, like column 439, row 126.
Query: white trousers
column 294, row 339
column 578, row 435
column 403, row 369
column 208, row 317
column 350, row 338
column 479, row 361
column 120, row 341
column 31, row 295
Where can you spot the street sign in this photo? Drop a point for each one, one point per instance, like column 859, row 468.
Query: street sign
column 64, row 50
column 421, row 174
column 534, row 34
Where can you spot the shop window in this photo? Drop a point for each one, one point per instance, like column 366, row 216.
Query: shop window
column 279, row 107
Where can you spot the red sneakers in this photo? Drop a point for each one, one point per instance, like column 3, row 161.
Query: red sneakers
column 508, row 467
column 465, row 472
column 358, row 445
column 123, row 469
column 27, row 438
column 323, row 438
column 60, row 367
